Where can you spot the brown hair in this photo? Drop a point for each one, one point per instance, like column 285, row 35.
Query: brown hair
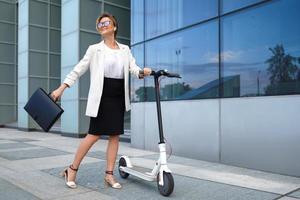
column 112, row 18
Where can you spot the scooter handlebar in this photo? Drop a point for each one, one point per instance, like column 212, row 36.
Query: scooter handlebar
column 173, row 75
column 162, row 73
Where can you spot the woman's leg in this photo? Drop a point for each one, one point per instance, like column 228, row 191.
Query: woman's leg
column 111, row 152
column 82, row 150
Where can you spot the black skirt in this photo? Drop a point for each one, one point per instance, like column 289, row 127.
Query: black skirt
column 110, row 118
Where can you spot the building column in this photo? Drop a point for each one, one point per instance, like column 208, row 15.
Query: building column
column 38, row 53
column 69, row 58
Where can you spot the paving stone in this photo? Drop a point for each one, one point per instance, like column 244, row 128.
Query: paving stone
column 288, row 198
column 100, row 155
column 92, row 175
column 295, row 194
column 15, row 145
column 24, row 140
column 9, row 191
column 32, row 153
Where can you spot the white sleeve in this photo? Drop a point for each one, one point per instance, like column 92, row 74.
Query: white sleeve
column 133, row 68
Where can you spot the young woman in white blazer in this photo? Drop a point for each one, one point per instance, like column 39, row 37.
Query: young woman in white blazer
column 109, row 63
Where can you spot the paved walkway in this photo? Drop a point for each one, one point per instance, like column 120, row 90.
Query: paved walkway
column 30, row 163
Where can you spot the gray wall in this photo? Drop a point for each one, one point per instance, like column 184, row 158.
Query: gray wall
column 259, row 133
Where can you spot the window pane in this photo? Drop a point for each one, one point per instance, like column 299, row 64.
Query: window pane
column 122, row 41
column 38, row 64
column 38, row 38
column 38, row 13
column 8, row 114
column 137, row 21
column 90, row 10
column 55, row 41
column 7, row 52
column 55, row 66
column 137, row 85
column 56, row 1
column 10, row 95
column 55, row 16
column 7, row 11
column 230, row 5
column 261, row 50
column 7, row 73
column 35, row 83
column 7, row 32
column 123, row 17
column 168, row 15
column 194, row 58
column 87, row 39
column 125, row 3
column 54, row 84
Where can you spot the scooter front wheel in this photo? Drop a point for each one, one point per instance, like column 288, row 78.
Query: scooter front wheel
column 122, row 162
column 168, row 186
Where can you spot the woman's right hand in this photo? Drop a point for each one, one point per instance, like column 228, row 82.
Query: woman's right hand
column 56, row 94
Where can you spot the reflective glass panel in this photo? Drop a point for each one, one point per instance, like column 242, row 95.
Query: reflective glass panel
column 137, row 85
column 54, row 66
column 38, row 13
column 38, row 38
column 55, row 16
column 230, row 5
column 7, row 32
column 123, row 17
column 137, row 21
column 89, row 11
column 261, row 50
column 55, row 41
column 194, row 58
column 7, row 11
column 168, row 15
column 125, row 3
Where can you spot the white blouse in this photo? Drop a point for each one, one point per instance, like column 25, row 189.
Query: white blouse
column 113, row 66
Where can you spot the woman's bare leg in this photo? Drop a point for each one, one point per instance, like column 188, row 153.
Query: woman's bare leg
column 111, row 152
column 82, row 150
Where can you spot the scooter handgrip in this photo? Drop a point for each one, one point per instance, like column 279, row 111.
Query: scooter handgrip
column 171, row 75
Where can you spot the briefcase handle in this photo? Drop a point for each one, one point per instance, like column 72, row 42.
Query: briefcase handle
column 49, row 94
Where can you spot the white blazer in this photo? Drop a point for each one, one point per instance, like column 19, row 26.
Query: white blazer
column 94, row 60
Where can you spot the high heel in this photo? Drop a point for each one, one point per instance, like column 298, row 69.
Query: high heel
column 111, row 181
column 70, row 184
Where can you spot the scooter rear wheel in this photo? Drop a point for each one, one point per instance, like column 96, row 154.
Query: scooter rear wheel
column 122, row 162
column 168, row 186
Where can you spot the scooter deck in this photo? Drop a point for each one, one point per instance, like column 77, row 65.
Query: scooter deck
column 135, row 171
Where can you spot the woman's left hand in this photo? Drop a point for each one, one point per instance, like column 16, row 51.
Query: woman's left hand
column 147, row 71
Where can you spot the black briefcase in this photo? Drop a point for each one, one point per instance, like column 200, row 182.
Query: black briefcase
column 43, row 109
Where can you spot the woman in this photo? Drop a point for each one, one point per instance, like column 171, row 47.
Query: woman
column 109, row 63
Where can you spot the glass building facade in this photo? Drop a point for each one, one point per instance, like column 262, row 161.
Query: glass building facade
column 225, row 48
column 237, row 100
column 8, row 61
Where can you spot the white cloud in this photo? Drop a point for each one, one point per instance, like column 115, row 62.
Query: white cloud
column 227, row 56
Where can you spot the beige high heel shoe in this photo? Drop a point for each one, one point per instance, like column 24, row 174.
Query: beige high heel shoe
column 111, row 181
column 70, row 184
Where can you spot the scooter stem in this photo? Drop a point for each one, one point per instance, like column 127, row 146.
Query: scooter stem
column 157, row 95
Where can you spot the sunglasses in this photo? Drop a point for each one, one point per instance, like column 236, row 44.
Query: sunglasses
column 102, row 24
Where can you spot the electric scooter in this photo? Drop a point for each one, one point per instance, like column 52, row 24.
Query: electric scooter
column 160, row 173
